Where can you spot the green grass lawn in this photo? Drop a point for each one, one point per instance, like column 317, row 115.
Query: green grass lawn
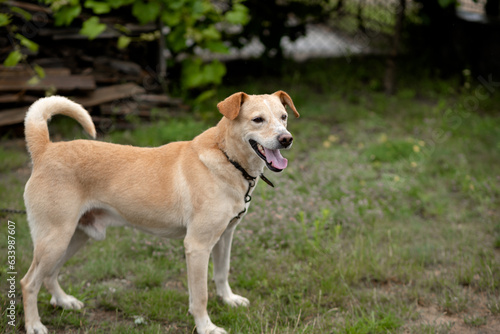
column 387, row 219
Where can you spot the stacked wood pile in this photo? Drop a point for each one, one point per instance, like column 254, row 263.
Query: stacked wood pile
column 110, row 83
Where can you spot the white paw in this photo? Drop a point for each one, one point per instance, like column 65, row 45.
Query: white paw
column 36, row 328
column 212, row 329
column 207, row 327
column 67, row 302
column 235, row 300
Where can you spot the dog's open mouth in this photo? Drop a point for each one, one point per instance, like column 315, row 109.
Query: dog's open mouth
column 273, row 158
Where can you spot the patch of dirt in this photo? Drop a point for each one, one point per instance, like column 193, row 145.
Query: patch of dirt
column 477, row 320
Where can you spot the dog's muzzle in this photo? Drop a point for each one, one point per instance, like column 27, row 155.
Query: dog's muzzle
column 273, row 158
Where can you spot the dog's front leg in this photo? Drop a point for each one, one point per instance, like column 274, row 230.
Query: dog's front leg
column 221, row 258
column 197, row 257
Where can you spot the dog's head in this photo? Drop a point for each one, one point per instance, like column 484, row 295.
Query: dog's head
column 261, row 122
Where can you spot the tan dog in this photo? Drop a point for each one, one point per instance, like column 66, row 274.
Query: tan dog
column 197, row 190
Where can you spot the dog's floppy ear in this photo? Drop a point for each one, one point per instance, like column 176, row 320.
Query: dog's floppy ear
column 287, row 101
column 230, row 107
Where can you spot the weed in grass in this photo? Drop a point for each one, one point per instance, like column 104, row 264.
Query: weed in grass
column 372, row 322
column 454, row 300
column 493, row 304
column 475, row 321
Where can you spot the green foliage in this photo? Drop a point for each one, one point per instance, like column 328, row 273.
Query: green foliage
column 238, row 15
column 13, row 58
column 196, row 73
column 123, row 42
column 40, row 72
column 92, row 28
column 4, row 19
column 146, row 11
column 192, row 23
column 32, row 46
column 98, row 7
column 66, row 14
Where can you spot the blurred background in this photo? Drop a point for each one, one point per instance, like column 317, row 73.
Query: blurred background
column 387, row 219
column 144, row 55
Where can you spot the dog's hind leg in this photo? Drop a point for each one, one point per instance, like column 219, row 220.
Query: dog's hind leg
column 48, row 255
column 59, row 297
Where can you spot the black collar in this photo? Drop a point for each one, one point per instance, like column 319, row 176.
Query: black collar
column 245, row 174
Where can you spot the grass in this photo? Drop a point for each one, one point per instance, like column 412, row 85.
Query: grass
column 385, row 221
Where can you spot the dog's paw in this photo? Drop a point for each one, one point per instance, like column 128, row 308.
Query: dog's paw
column 214, row 330
column 36, row 328
column 235, row 300
column 67, row 302
column 207, row 327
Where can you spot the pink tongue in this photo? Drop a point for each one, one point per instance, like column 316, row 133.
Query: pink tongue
column 275, row 158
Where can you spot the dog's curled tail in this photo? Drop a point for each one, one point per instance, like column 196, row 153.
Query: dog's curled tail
column 40, row 112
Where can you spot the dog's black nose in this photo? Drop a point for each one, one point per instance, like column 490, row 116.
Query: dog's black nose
column 285, row 139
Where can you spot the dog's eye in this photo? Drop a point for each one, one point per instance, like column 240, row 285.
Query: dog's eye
column 258, row 120
column 284, row 117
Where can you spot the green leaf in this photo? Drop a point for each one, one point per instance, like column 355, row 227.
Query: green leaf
column 120, row 3
column 40, row 72
column 197, row 74
column 238, row 15
column 176, row 40
column 214, row 72
column 146, row 12
column 98, row 7
column 211, row 33
column 217, row 46
column 205, row 96
column 92, row 28
column 32, row 46
column 176, row 4
column 123, row 42
column 171, row 17
column 150, row 36
column 66, row 14
column 4, row 19
column 198, row 8
column 34, row 80
column 13, row 58
column 191, row 73
column 26, row 15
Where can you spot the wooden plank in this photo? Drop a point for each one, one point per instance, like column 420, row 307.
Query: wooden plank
column 158, row 100
column 17, row 98
column 108, row 94
column 30, row 7
column 61, row 83
column 13, row 116
column 22, row 70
